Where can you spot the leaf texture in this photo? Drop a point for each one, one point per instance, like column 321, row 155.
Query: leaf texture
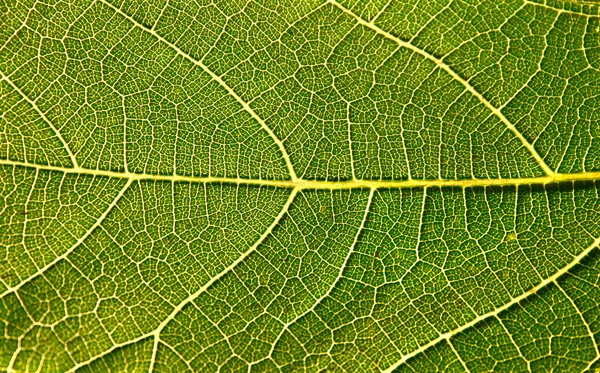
column 262, row 186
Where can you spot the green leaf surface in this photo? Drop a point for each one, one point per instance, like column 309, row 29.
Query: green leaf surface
column 262, row 186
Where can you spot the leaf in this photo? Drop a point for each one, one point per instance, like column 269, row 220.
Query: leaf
column 299, row 186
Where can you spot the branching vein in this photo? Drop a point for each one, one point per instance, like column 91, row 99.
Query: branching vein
column 458, row 78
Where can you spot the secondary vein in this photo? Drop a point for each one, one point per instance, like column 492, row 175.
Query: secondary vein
column 216, row 78
column 440, row 63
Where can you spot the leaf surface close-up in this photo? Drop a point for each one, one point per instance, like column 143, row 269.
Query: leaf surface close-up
column 299, row 186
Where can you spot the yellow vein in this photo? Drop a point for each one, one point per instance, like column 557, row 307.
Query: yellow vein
column 108, row 351
column 339, row 276
column 323, row 184
column 497, row 311
column 583, row 321
column 218, row 79
column 458, row 78
column 156, row 332
column 43, row 116
column 253, row 248
column 75, row 245
column 458, row 357
column 594, row 8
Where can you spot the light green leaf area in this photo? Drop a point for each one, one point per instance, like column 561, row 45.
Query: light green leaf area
column 284, row 185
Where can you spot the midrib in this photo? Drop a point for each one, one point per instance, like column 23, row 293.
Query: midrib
column 322, row 184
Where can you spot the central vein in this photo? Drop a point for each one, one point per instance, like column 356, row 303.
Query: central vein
column 323, row 184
